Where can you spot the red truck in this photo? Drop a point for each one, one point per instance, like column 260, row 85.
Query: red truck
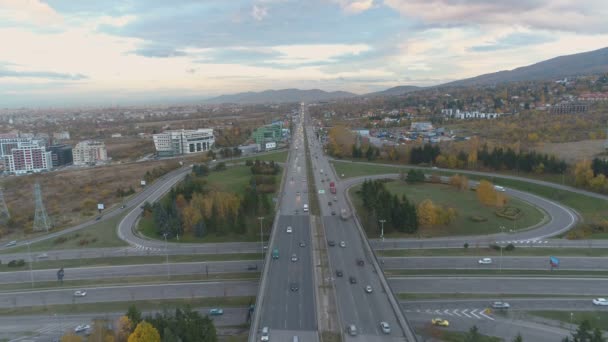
column 332, row 188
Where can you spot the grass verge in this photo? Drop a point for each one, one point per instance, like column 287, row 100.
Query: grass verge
column 598, row 319
column 117, row 281
column 132, row 260
column 486, row 252
column 493, row 273
column 313, row 199
column 143, row 305
column 279, row 156
column 459, row 295
column 457, row 336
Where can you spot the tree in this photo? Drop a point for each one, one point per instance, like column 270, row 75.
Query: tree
column 124, row 329
column 71, row 337
column 415, row 176
column 133, row 314
column 100, row 332
column 518, row 338
column 144, row 332
column 473, row 335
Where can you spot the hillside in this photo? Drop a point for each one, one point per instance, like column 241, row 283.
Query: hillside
column 394, row 91
column 281, row 96
column 585, row 63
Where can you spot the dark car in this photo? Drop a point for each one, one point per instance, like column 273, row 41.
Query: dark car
column 339, row 273
column 360, row 262
column 252, row 267
column 329, row 203
column 294, row 287
column 331, row 243
column 333, row 213
column 352, row 280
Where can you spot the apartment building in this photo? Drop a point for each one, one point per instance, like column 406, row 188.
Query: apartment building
column 89, row 152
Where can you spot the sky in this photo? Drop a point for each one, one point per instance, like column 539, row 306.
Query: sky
column 87, row 52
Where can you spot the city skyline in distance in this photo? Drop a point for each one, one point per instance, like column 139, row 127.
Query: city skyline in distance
column 60, row 53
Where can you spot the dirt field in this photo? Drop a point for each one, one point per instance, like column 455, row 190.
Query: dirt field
column 574, row 151
column 129, row 148
column 71, row 196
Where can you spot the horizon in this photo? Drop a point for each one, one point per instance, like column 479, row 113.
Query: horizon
column 66, row 54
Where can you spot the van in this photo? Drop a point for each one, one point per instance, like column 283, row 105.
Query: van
column 352, row 330
column 305, row 208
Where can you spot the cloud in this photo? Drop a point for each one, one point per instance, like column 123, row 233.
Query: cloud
column 259, row 12
column 514, row 40
column 4, row 73
column 355, row 6
column 558, row 15
column 32, row 12
column 158, row 51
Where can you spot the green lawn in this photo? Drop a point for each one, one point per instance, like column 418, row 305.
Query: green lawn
column 131, row 260
column 591, row 209
column 466, row 204
column 146, row 228
column 101, row 234
column 142, row 305
column 457, row 336
column 488, row 252
column 598, row 319
column 279, row 156
column 233, row 179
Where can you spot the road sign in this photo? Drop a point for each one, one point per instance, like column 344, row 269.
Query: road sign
column 321, row 192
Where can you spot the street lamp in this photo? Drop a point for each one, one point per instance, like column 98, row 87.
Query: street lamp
column 31, row 261
column 502, row 230
column 167, row 256
column 382, row 229
column 261, row 218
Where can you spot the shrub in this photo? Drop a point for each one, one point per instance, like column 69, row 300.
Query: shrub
column 510, row 247
column 60, row 240
column 466, row 245
column 249, row 162
column 16, row 263
column 495, row 247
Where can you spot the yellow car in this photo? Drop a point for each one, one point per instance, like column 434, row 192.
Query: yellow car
column 440, row 322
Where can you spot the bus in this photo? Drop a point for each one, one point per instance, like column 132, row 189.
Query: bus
column 275, row 253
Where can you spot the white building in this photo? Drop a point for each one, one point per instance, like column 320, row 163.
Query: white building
column 183, row 141
column 65, row 135
column 89, row 152
column 465, row 115
column 27, row 157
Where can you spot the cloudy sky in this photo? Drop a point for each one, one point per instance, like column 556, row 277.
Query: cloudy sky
column 90, row 52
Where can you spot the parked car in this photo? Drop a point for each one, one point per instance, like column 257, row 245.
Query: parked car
column 600, row 301
column 440, row 322
column 80, row 293
column 485, row 261
column 216, row 312
column 501, row 305
column 385, row 327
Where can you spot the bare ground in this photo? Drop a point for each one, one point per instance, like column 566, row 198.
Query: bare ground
column 572, row 152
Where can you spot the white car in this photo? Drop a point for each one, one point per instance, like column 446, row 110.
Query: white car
column 385, row 327
column 80, row 293
column 342, row 244
column 82, row 327
column 368, row 289
column 43, row 256
column 600, row 301
column 289, row 230
column 501, row 305
column 265, row 334
column 294, row 258
column 485, row 261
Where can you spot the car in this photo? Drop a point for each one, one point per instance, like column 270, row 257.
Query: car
column 335, row 199
column 385, row 327
column 80, row 293
column 329, row 204
column 294, row 258
column 322, row 180
column 600, row 301
column 12, row 243
column 294, row 287
column 440, row 322
column 289, row 230
column 42, row 256
column 342, row 244
column 501, row 305
column 368, row 289
column 331, row 243
column 352, row 330
column 333, row 213
column 123, row 206
column 302, row 244
column 296, row 211
column 485, row 261
column 252, row 267
column 216, row 312
column 352, row 280
column 265, row 334
column 339, row 273
column 298, row 193
column 360, row 262
column 98, row 218
column 81, row 328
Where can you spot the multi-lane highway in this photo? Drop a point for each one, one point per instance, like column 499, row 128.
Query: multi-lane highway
column 288, row 298
column 356, row 306
column 507, row 262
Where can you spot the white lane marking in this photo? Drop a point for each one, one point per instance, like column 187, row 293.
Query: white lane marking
column 473, row 313
column 464, row 312
column 456, row 313
column 447, row 312
column 486, row 316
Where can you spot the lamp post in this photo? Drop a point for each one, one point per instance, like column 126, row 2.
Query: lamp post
column 502, row 229
column 167, row 256
column 382, row 229
column 31, row 261
column 261, row 218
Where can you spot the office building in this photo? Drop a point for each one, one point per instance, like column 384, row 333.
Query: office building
column 178, row 142
column 61, row 155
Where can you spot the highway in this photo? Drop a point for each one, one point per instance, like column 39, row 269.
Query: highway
column 593, row 287
column 125, row 293
column 508, row 262
column 125, row 271
column 289, row 312
column 364, row 310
